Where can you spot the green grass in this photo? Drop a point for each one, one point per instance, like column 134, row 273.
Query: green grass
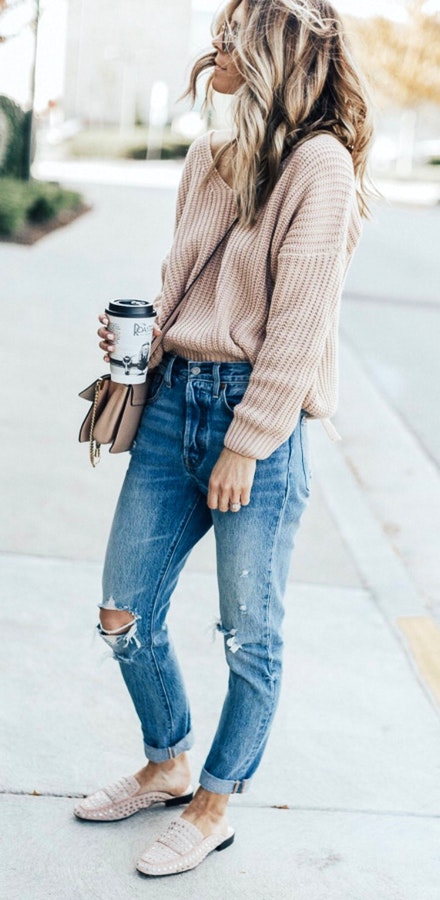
column 32, row 202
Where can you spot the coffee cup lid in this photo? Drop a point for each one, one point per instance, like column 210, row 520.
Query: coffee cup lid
column 131, row 308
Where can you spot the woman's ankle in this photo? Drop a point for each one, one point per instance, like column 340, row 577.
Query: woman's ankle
column 171, row 773
column 208, row 805
column 176, row 764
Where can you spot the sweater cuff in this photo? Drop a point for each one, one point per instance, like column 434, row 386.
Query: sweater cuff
column 249, row 440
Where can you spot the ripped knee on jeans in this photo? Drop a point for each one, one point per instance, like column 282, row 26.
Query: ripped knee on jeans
column 232, row 642
column 115, row 621
column 118, row 628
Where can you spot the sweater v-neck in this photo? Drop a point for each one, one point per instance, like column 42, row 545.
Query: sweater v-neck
column 210, row 159
column 217, row 178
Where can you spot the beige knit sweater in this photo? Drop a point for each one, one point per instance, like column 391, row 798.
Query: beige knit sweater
column 271, row 294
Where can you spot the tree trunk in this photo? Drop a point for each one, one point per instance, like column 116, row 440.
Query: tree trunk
column 30, row 122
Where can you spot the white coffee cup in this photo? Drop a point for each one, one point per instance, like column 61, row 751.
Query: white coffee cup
column 131, row 322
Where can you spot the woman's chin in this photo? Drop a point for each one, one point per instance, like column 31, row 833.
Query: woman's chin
column 220, row 84
column 224, row 84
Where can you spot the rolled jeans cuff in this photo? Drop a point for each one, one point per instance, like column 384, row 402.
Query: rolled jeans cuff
column 160, row 754
column 223, row 786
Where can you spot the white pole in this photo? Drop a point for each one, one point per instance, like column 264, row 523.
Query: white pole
column 157, row 119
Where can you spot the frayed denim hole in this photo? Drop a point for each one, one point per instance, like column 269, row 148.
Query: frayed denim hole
column 125, row 646
column 232, row 642
column 124, row 643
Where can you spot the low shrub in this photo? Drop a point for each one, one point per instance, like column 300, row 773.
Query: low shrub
column 71, row 199
column 46, row 201
column 33, row 202
column 13, row 206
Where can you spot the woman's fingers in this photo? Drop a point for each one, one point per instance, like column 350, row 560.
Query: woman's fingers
column 103, row 332
column 234, row 501
column 245, row 498
column 224, row 500
column 231, row 482
column 227, row 500
column 107, row 342
column 107, row 337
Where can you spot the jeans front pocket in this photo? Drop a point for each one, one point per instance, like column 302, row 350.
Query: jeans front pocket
column 155, row 382
column 232, row 393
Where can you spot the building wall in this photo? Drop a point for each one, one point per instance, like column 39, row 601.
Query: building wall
column 116, row 51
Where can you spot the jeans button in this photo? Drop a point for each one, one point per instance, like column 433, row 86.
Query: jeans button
column 195, row 370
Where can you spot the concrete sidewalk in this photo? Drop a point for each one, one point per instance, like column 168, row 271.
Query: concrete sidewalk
column 346, row 803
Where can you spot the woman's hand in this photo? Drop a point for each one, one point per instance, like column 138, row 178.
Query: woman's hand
column 107, row 337
column 231, row 481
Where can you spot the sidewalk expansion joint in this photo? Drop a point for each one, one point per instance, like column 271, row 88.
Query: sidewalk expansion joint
column 344, row 810
column 52, row 794
column 337, row 810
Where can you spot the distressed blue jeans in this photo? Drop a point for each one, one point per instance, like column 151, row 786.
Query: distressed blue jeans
column 160, row 516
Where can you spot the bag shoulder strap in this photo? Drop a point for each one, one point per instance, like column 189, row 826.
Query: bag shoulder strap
column 174, row 313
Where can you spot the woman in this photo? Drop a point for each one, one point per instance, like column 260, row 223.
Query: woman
column 223, row 440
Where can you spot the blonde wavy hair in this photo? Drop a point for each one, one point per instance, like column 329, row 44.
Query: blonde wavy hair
column 299, row 80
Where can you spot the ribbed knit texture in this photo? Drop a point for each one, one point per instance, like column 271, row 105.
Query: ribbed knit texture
column 271, row 294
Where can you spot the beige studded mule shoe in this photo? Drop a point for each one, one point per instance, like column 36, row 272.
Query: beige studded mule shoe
column 124, row 798
column 180, row 848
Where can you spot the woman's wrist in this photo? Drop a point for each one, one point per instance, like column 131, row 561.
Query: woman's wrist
column 240, row 455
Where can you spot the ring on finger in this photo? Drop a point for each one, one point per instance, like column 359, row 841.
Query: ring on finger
column 234, row 507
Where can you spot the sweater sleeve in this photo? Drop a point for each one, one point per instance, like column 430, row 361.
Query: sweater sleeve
column 311, row 267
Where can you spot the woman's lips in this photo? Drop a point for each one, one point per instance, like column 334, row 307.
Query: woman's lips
column 220, row 68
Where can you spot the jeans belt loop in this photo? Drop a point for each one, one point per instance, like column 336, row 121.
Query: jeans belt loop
column 216, row 380
column 169, row 370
